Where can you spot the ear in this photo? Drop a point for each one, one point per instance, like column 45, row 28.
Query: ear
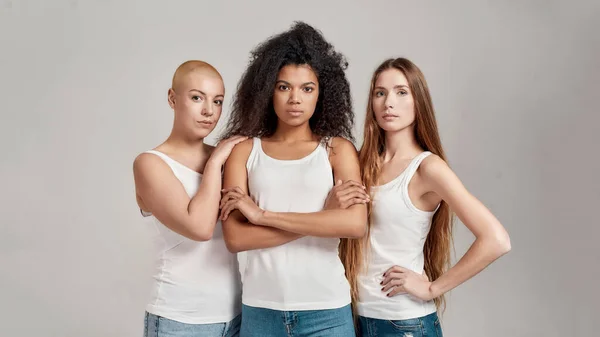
column 171, row 98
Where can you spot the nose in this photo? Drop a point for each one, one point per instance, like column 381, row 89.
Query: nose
column 207, row 110
column 389, row 102
column 294, row 97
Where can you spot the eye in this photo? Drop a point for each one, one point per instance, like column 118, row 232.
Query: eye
column 309, row 89
column 196, row 98
column 219, row 102
column 379, row 93
column 403, row 92
column 283, row 87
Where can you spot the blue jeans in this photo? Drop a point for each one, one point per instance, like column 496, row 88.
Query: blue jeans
column 426, row 326
column 260, row 322
column 156, row 326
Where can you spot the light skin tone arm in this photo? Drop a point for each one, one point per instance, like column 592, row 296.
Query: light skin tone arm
column 162, row 194
column 239, row 234
column 341, row 223
column 492, row 240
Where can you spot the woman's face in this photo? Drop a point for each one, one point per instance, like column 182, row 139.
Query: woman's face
column 295, row 94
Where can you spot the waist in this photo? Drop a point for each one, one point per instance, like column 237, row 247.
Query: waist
column 305, row 274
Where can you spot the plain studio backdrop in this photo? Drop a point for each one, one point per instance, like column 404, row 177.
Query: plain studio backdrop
column 83, row 90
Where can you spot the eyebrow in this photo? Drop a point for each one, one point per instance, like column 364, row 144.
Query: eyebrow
column 287, row 83
column 203, row 93
column 395, row 87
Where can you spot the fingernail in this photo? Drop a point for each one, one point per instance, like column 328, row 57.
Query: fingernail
column 382, row 288
column 381, row 282
column 388, row 295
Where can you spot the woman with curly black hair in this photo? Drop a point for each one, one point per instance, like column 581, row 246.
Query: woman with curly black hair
column 294, row 101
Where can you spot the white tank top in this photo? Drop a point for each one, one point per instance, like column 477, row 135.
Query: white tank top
column 193, row 282
column 398, row 233
column 305, row 274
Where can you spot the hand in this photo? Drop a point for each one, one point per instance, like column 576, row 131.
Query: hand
column 224, row 148
column 344, row 195
column 234, row 198
column 404, row 281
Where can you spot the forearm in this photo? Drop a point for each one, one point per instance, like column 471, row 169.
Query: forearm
column 481, row 254
column 338, row 223
column 241, row 235
column 203, row 209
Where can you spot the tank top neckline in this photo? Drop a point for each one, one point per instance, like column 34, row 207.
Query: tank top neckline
column 258, row 142
column 162, row 154
column 399, row 176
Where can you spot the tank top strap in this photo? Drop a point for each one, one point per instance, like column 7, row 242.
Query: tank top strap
column 410, row 171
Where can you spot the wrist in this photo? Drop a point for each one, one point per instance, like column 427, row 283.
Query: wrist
column 213, row 164
column 265, row 218
column 435, row 290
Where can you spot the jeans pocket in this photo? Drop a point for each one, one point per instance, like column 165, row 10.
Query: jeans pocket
column 414, row 326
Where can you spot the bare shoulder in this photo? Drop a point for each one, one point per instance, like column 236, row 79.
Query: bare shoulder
column 149, row 169
column 435, row 171
column 146, row 162
column 341, row 147
column 242, row 150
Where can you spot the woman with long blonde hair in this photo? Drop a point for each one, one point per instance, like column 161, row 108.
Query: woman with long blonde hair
column 400, row 271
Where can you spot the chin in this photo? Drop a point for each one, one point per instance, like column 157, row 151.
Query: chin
column 389, row 127
column 294, row 122
column 202, row 133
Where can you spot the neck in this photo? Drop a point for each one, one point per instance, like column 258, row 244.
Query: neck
column 287, row 133
column 401, row 144
column 177, row 141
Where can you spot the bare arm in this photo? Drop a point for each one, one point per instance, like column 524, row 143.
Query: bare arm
column 350, row 222
column 238, row 233
column 340, row 223
column 163, row 195
column 492, row 240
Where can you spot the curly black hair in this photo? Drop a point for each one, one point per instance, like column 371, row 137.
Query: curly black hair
column 252, row 112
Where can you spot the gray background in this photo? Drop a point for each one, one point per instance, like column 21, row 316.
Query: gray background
column 83, row 90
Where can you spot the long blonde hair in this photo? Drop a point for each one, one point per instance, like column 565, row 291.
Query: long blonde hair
column 439, row 240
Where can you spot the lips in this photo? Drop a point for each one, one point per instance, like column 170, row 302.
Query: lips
column 207, row 123
column 389, row 117
column 295, row 113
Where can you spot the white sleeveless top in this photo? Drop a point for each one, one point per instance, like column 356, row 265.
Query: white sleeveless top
column 193, row 282
column 305, row 274
column 398, row 233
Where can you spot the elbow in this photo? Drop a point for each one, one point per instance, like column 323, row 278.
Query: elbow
column 357, row 230
column 233, row 246
column 502, row 244
column 203, row 233
column 358, row 225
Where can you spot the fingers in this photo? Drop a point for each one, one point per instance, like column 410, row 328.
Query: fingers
column 229, row 207
column 355, row 194
column 397, row 291
column 392, row 276
column 237, row 139
column 229, row 143
column 353, row 183
column 350, row 184
column 395, row 269
column 352, row 202
column 391, row 284
column 229, row 196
